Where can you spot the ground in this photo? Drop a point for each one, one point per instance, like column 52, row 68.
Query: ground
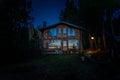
column 60, row 67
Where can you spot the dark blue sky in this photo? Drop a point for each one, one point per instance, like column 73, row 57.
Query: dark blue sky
column 46, row 10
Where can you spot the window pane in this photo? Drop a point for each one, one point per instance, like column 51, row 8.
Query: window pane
column 52, row 32
column 71, row 32
column 59, row 30
column 53, row 44
column 68, row 31
column 64, row 30
column 73, row 42
column 64, row 43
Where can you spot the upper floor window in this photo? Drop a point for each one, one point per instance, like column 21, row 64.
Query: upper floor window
column 71, row 32
column 64, row 30
column 59, row 30
column 52, row 32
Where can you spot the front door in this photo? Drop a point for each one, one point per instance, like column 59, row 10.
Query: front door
column 64, row 45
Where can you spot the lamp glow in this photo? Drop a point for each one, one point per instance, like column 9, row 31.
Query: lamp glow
column 92, row 37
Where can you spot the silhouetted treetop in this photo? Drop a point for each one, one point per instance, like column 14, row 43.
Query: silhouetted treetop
column 14, row 19
column 69, row 13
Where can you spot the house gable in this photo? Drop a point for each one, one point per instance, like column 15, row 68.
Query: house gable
column 62, row 35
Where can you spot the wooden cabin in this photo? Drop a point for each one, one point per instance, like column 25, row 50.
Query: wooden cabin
column 62, row 35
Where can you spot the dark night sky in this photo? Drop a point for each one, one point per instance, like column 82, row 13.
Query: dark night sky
column 47, row 10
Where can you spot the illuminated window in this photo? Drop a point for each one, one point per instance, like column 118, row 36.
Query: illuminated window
column 59, row 30
column 64, row 30
column 71, row 32
column 64, row 43
column 53, row 44
column 52, row 32
column 73, row 42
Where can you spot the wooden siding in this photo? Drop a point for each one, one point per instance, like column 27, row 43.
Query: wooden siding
column 62, row 37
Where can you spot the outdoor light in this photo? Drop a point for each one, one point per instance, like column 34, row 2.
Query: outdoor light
column 92, row 37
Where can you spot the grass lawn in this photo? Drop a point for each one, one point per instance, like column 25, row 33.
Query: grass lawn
column 59, row 67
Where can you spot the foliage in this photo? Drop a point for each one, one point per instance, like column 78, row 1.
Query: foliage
column 69, row 13
column 35, row 40
column 91, row 13
column 14, row 27
column 100, row 17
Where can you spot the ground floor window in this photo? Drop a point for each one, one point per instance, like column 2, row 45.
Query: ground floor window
column 73, row 43
column 53, row 44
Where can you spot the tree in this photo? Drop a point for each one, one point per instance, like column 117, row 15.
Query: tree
column 14, row 25
column 69, row 13
column 36, row 39
column 97, row 14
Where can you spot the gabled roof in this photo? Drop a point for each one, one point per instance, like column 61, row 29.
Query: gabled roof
column 66, row 23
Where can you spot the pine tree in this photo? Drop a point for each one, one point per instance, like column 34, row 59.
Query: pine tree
column 69, row 13
column 14, row 25
column 97, row 14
